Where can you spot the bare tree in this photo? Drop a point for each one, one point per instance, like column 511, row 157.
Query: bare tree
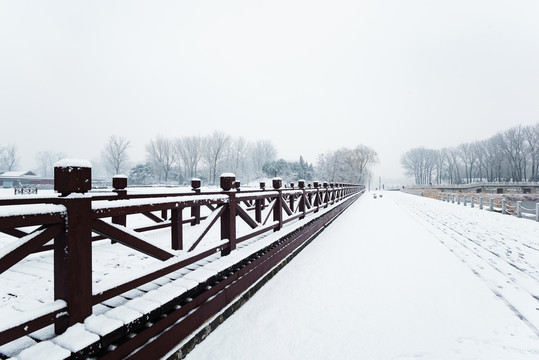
column 513, row 148
column 161, row 153
column 439, row 165
column 347, row 165
column 531, row 134
column 420, row 163
column 329, row 166
column 190, row 150
column 262, row 152
column 46, row 160
column 468, row 155
column 238, row 156
column 115, row 154
column 214, row 147
column 8, row 158
column 360, row 159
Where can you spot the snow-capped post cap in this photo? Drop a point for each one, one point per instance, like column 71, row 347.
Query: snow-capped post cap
column 237, row 185
column 277, row 183
column 119, row 182
column 196, row 183
column 263, row 185
column 325, row 184
column 227, row 181
column 315, row 184
column 301, row 184
column 72, row 176
column 292, row 185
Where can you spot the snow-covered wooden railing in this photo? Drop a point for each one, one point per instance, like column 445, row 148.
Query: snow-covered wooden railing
column 502, row 206
column 75, row 218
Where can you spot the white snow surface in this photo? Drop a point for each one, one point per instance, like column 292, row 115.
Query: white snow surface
column 397, row 277
column 75, row 338
column 105, row 204
column 31, row 209
column 76, row 163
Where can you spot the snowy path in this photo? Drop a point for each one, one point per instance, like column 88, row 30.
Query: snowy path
column 504, row 254
column 380, row 283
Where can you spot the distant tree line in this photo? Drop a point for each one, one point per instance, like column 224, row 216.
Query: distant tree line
column 290, row 170
column 180, row 159
column 176, row 160
column 511, row 155
column 347, row 165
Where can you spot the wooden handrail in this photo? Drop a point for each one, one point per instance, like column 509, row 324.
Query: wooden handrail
column 71, row 218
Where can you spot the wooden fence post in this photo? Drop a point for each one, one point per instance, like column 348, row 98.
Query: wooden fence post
column 519, row 209
column 291, row 198
column 119, row 183
column 73, row 247
column 259, row 205
column 228, row 219
column 326, row 194
column 176, row 228
column 316, row 196
column 278, row 208
column 302, row 206
column 195, row 209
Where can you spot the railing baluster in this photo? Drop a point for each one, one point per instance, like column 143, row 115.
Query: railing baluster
column 278, row 208
column 316, row 197
column 302, row 207
column 176, row 229
column 119, row 183
column 228, row 218
column 291, row 199
column 195, row 209
column 73, row 247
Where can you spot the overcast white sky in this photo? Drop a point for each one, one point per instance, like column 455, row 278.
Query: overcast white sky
column 310, row 75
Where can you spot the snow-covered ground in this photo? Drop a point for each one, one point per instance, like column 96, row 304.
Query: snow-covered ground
column 397, row 277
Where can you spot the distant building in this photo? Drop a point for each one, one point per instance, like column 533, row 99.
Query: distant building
column 10, row 179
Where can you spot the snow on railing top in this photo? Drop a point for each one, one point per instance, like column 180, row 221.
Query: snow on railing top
column 105, row 204
column 31, row 209
column 78, row 163
column 19, row 318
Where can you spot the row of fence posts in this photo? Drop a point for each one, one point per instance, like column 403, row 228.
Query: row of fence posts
column 452, row 198
column 72, row 248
